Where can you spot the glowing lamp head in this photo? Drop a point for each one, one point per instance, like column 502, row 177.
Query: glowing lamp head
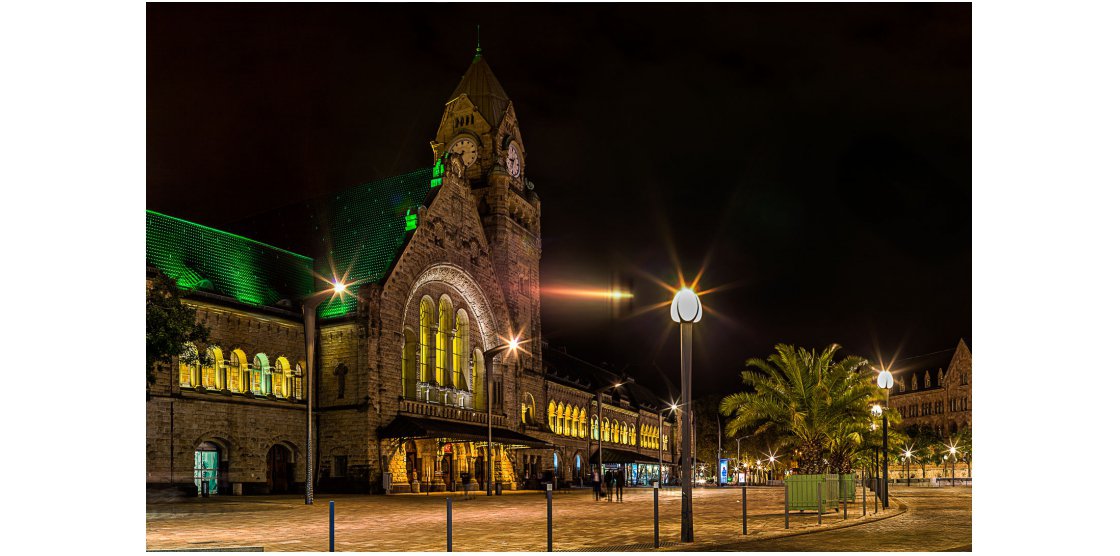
column 686, row 306
column 772, row 459
column 339, row 287
column 885, row 379
column 953, row 450
column 876, row 410
column 673, row 407
column 513, row 344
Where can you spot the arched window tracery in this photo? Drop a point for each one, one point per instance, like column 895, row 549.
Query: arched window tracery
column 460, row 350
column 443, row 341
column 427, row 338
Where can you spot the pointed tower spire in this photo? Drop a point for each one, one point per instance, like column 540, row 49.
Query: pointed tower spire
column 478, row 45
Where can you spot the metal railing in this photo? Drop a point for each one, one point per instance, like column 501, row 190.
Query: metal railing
column 449, row 412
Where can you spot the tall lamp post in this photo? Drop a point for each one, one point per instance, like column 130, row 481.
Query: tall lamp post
column 660, row 435
column 908, row 454
column 599, row 401
column 738, row 453
column 886, row 382
column 686, row 310
column 310, row 312
column 488, row 363
column 953, row 452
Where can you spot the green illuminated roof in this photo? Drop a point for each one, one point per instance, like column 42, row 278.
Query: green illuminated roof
column 357, row 232
column 200, row 257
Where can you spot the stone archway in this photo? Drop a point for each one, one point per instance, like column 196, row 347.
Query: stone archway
column 463, row 283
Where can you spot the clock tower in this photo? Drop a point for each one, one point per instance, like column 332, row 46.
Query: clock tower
column 480, row 124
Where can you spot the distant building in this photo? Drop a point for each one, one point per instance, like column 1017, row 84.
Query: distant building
column 936, row 395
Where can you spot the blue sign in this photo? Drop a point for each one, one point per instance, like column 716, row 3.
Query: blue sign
column 723, row 471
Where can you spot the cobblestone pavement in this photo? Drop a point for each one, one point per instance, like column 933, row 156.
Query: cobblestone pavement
column 936, row 519
column 516, row 521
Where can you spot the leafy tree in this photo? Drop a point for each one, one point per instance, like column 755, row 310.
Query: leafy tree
column 927, row 447
column 804, row 400
column 170, row 324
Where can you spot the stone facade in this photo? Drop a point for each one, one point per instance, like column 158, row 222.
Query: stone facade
column 940, row 400
column 474, row 255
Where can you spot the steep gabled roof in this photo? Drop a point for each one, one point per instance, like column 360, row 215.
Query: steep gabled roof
column 204, row 258
column 480, row 85
column 357, row 233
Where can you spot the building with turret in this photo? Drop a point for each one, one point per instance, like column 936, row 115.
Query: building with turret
column 412, row 381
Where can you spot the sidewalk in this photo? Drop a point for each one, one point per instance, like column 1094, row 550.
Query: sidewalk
column 514, row 521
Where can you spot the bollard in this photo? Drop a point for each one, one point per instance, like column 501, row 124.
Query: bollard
column 548, row 495
column 744, row 509
column 787, row 505
column 332, row 527
column 656, row 521
column 876, row 497
column 449, row 524
column 820, row 507
column 863, row 488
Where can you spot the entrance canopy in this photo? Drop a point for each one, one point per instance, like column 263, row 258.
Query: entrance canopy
column 612, row 455
column 417, row 427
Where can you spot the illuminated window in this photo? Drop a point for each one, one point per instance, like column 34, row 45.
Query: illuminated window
column 189, row 366
column 282, row 378
column 427, row 338
column 297, row 375
column 633, row 437
column 443, row 349
column 595, row 427
column 212, row 366
column 264, row 373
column 478, row 375
column 614, row 431
column 238, row 373
column 567, row 420
column 460, row 347
column 552, row 416
column 583, row 423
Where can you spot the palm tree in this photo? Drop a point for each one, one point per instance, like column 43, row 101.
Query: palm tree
column 802, row 399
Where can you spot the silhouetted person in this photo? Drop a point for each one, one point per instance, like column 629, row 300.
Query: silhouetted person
column 618, row 489
column 595, row 484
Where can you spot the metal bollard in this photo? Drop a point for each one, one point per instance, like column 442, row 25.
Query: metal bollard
column 656, row 521
column 332, row 527
column 744, row 509
column 449, row 524
column 787, row 505
column 863, row 488
column 548, row 495
column 820, row 506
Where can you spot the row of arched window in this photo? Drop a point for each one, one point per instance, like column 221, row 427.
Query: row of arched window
column 649, row 436
column 567, row 420
column 211, row 370
column 613, row 431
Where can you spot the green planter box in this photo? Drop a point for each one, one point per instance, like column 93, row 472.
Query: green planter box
column 803, row 491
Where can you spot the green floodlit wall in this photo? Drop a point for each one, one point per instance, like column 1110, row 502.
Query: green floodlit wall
column 199, row 257
column 368, row 227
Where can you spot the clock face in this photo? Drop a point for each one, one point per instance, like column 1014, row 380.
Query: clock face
column 467, row 148
column 513, row 160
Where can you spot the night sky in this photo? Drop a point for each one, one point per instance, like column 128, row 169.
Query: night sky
column 818, row 158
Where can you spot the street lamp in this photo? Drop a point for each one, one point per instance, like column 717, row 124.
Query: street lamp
column 738, row 454
column 886, row 382
column 953, row 452
column 660, row 435
column 599, row 401
column 488, row 363
column 310, row 312
column 908, row 454
column 686, row 310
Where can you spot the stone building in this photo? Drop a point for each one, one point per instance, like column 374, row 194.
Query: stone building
column 441, row 267
column 937, row 397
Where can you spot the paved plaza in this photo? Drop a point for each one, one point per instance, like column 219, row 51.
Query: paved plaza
column 920, row 519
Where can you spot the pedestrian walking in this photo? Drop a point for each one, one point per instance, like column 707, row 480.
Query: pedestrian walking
column 595, row 484
column 618, row 490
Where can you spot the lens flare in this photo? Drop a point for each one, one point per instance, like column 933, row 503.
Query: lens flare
column 585, row 293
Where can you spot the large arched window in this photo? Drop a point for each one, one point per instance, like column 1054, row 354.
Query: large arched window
column 633, row 438
column 297, row 375
column 567, row 420
column 594, row 427
column 528, row 409
column 282, row 378
column 443, row 342
column 264, row 372
column 188, row 366
column 614, row 431
column 239, row 380
column 408, row 364
column 427, row 338
column 623, row 435
column 213, row 368
column 460, row 349
column 583, row 423
column 551, row 415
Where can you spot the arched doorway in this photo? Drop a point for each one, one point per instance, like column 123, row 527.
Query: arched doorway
column 411, row 462
column 280, row 469
column 206, row 468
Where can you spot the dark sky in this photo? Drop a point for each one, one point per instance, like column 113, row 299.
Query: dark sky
column 819, row 157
